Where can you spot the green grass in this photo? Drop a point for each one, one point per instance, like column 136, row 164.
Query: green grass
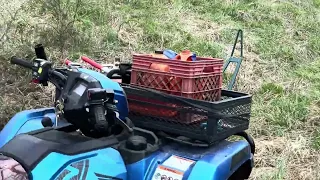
column 311, row 73
column 286, row 111
column 281, row 68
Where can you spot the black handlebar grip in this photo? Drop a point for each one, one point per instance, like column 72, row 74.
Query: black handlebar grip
column 21, row 62
column 40, row 53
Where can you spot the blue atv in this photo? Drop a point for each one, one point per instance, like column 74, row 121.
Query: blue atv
column 91, row 134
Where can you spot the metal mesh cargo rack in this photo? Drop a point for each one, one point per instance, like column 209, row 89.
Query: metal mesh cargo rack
column 206, row 121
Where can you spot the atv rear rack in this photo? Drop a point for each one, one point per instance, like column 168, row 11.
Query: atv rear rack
column 205, row 121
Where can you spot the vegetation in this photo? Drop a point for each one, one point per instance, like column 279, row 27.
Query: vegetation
column 281, row 66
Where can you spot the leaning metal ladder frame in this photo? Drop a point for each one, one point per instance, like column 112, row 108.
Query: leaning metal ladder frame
column 236, row 60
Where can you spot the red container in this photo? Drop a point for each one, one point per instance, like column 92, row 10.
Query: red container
column 201, row 79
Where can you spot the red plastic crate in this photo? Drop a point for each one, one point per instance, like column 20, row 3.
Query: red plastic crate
column 151, row 107
column 200, row 79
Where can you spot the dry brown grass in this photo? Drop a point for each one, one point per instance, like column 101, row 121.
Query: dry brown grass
column 285, row 158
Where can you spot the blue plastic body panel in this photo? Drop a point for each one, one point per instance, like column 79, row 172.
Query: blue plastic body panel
column 217, row 162
column 107, row 83
column 25, row 121
column 90, row 165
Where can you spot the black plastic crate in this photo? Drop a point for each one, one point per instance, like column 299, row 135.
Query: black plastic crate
column 199, row 120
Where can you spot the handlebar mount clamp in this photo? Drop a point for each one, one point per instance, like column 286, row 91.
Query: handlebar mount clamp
column 41, row 75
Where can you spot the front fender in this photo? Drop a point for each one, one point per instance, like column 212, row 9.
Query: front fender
column 25, row 121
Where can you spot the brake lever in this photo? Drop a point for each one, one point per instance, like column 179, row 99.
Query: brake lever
column 123, row 124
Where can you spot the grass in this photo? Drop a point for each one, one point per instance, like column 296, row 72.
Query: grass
column 281, row 66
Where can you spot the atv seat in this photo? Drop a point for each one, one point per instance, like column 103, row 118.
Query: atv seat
column 29, row 149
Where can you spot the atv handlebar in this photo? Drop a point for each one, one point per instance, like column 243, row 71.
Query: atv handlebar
column 52, row 74
column 22, row 62
column 58, row 75
column 122, row 73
